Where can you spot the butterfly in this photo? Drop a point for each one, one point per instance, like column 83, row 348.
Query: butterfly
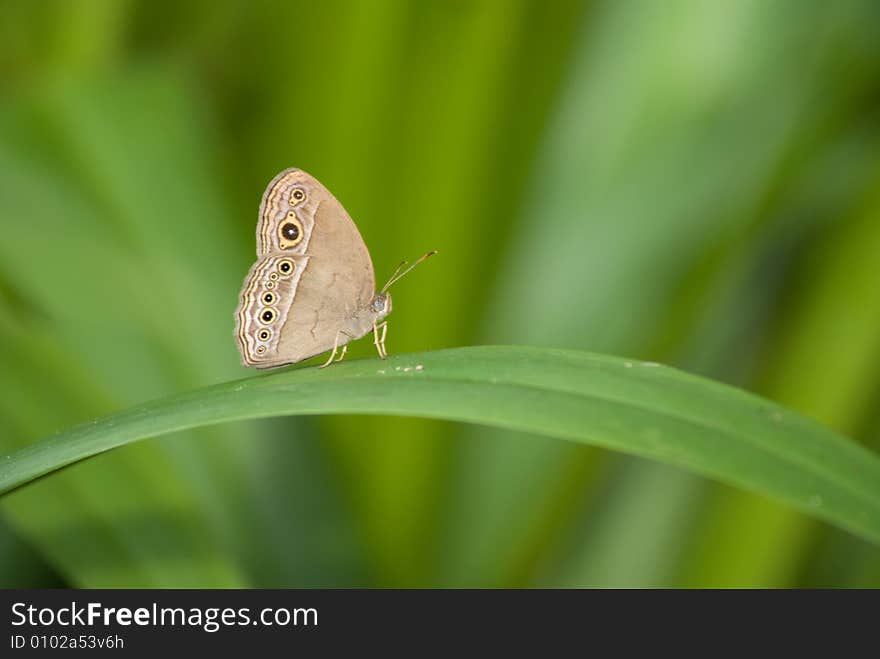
column 312, row 288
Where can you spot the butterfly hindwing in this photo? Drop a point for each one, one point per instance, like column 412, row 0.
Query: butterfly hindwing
column 264, row 305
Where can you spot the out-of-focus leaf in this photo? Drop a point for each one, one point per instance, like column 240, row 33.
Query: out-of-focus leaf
column 631, row 192
column 108, row 223
column 825, row 363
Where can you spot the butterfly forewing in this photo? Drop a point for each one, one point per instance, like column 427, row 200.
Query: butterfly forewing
column 287, row 213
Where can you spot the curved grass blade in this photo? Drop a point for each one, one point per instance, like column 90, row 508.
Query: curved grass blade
column 634, row 407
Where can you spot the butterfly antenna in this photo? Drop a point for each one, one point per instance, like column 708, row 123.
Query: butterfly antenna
column 400, row 273
column 397, row 271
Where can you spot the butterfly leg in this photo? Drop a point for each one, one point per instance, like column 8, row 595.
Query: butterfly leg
column 335, row 349
column 342, row 354
column 380, row 342
column 332, row 356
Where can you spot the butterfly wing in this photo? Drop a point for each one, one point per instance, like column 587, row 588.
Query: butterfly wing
column 331, row 281
column 264, row 306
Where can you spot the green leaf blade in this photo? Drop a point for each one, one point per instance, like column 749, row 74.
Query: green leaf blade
column 634, row 407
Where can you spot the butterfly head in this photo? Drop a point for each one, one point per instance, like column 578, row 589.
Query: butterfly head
column 381, row 305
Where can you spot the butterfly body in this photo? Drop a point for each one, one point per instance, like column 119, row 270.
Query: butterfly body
column 312, row 288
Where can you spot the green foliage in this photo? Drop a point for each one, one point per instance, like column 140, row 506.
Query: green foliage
column 636, row 407
column 690, row 182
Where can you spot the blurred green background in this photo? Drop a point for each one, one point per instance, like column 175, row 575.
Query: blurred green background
column 693, row 182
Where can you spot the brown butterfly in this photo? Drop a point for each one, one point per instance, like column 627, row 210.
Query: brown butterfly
column 312, row 288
